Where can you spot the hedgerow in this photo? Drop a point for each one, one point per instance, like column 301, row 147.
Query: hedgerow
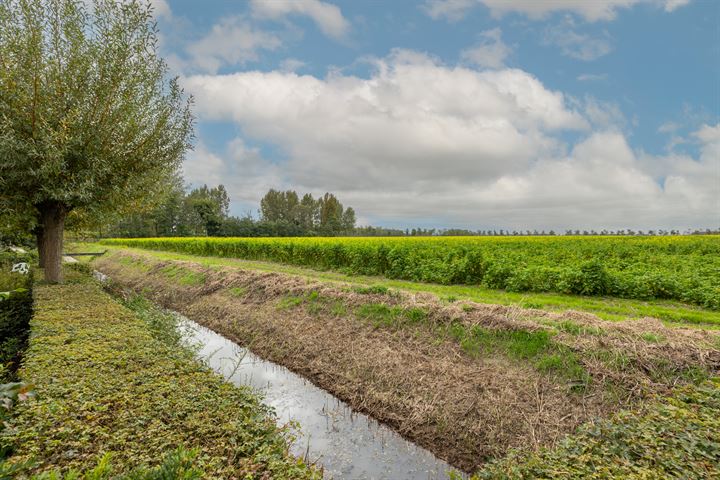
column 16, row 307
column 685, row 268
column 677, row 437
column 105, row 384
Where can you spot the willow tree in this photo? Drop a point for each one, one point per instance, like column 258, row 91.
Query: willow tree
column 89, row 118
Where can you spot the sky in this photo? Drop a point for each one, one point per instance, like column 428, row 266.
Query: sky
column 479, row 114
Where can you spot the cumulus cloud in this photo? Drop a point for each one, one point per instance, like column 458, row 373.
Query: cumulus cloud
column 232, row 41
column 590, row 10
column 490, row 52
column 327, row 17
column 240, row 168
column 423, row 142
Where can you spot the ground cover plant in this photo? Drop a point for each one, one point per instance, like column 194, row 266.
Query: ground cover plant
column 110, row 380
column 675, row 437
column 685, row 268
column 466, row 380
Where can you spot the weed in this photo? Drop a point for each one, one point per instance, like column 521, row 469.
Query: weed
column 290, row 301
column 652, row 337
column 238, row 291
column 372, row 290
column 573, row 328
column 379, row 314
column 415, row 314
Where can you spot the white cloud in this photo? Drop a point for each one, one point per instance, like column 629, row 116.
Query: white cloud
column 328, row 17
column 604, row 115
column 592, row 77
column 491, row 52
column 590, row 10
column 232, row 41
column 161, row 8
column 709, row 135
column 668, row 127
column 241, row 169
column 671, row 5
column 291, row 65
column 576, row 45
column 423, row 142
column 452, row 10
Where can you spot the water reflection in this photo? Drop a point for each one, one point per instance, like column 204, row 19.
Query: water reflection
column 349, row 445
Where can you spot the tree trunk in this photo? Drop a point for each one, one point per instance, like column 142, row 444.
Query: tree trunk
column 52, row 222
column 39, row 240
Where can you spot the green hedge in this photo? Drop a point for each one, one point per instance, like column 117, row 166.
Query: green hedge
column 105, row 384
column 16, row 307
column 685, row 268
column 678, row 437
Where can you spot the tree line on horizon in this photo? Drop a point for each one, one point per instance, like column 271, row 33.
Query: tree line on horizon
column 204, row 211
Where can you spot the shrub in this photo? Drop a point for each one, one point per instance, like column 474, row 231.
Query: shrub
column 110, row 381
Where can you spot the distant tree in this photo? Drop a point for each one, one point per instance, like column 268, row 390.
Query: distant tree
column 331, row 213
column 209, row 207
column 278, row 206
column 348, row 219
column 308, row 212
column 89, row 119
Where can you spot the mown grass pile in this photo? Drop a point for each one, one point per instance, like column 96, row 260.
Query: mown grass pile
column 685, row 268
column 106, row 383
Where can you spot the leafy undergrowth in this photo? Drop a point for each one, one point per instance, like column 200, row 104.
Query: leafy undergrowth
column 106, row 384
column 678, row 437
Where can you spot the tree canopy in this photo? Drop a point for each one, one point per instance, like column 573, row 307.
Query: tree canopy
column 89, row 118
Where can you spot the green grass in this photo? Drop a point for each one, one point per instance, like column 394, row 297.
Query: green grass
column 238, row 291
column 183, row 275
column 537, row 347
column 614, row 309
column 112, row 380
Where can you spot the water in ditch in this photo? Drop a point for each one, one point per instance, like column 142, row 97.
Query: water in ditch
column 348, row 445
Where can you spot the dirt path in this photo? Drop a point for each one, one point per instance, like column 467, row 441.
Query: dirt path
column 400, row 358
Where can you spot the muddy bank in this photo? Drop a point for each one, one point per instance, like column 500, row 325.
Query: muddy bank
column 395, row 356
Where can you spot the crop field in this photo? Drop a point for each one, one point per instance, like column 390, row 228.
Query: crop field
column 682, row 268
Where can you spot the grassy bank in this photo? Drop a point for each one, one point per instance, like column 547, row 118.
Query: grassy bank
column 106, row 385
column 604, row 307
column 465, row 380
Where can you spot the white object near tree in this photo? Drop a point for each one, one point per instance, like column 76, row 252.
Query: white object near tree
column 21, row 268
column 18, row 250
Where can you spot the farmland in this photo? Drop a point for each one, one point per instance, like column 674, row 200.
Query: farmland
column 471, row 382
column 682, row 268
